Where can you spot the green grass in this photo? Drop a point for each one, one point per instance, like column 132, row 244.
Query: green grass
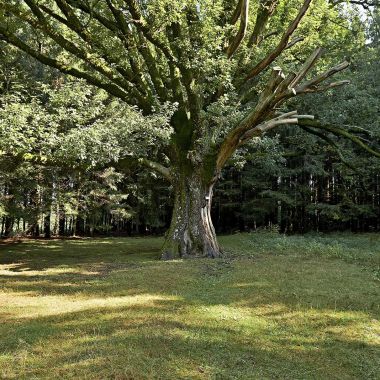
column 274, row 308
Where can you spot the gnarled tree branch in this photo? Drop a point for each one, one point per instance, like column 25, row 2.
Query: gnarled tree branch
column 285, row 118
column 263, row 64
column 236, row 41
column 279, row 88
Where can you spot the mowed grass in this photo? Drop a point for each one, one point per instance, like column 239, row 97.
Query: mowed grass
column 274, row 308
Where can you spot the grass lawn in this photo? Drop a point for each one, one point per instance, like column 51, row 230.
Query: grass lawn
column 273, row 308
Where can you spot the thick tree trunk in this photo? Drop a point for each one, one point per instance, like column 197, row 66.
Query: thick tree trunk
column 191, row 232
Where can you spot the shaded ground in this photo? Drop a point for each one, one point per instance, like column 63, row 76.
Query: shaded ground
column 273, row 308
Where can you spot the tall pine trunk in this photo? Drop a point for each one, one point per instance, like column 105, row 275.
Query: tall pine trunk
column 191, row 232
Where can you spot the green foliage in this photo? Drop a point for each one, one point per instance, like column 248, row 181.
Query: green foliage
column 66, row 136
column 78, row 126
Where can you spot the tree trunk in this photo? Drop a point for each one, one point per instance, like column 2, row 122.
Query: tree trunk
column 191, row 232
column 47, row 229
column 9, row 221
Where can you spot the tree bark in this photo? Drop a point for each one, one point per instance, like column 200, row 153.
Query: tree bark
column 47, row 228
column 191, row 232
column 9, row 221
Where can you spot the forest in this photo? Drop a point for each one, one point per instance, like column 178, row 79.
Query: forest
column 73, row 154
column 244, row 131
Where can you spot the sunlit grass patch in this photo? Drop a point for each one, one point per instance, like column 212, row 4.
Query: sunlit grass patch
column 109, row 309
column 26, row 305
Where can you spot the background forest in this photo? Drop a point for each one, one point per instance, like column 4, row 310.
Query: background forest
column 67, row 149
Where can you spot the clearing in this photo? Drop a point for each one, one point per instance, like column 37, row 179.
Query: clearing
column 274, row 307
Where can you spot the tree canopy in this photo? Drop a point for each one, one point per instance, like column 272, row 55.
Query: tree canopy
column 182, row 87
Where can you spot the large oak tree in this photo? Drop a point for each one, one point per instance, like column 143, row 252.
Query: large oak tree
column 210, row 58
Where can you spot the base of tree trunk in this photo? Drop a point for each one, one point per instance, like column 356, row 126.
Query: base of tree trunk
column 191, row 233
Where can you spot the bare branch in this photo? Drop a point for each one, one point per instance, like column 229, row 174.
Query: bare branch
column 279, row 88
column 236, row 41
column 327, row 87
column 286, row 118
column 262, row 65
column 309, row 63
column 310, row 86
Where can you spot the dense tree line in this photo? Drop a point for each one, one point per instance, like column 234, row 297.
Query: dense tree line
column 68, row 149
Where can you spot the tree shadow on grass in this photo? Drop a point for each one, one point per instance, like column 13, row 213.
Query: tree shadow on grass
column 165, row 340
column 314, row 284
column 40, row 255
column 79, row 311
